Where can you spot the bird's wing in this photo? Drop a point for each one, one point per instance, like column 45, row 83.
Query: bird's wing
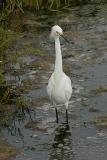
column 67, row 88
column 50, row 86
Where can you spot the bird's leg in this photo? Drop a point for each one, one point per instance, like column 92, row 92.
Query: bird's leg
column 56, row 115
column 66, row 112
column 67, row 116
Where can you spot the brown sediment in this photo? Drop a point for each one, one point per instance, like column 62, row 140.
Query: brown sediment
column 100, row 122
column 6, row 151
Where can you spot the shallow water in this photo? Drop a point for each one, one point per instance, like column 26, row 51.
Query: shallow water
column 40, row 137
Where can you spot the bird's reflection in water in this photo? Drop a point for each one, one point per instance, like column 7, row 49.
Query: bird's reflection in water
column 62, row 146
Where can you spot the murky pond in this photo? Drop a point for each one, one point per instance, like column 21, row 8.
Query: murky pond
column 38, row 136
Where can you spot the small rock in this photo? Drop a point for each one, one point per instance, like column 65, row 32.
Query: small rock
column 34, row 135
column 60, row 145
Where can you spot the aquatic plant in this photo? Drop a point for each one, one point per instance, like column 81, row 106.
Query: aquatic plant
column 37, row 4
column 17, row 110
column 2, row 81
column 7, row 38
column 21, row 102
column 12, row 6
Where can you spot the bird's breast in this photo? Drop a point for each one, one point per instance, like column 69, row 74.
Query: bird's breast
column 58, row 95
column 59, row 89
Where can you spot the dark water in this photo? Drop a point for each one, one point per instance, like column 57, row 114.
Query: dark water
column 86, row 28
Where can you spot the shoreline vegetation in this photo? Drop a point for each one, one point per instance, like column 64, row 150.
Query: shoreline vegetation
column 10, row 6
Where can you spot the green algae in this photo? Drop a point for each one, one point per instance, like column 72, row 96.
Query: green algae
column 98, row 91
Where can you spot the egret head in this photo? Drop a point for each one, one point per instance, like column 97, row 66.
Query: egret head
column 56, row 31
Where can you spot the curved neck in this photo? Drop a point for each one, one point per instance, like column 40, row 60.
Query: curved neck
column 58, row 61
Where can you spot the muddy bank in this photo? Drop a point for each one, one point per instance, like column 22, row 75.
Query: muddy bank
column 6, row 151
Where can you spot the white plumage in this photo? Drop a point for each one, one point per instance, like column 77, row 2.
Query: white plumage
column 59, row 86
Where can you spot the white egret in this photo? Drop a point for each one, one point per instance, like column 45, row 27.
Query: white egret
column 59, row 86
